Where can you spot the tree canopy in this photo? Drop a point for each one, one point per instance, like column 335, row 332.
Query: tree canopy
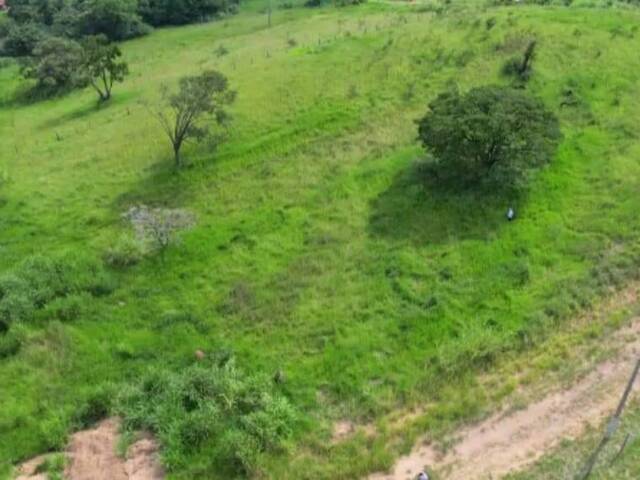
column 197, row 106
column 490, row 135
column 102, row 65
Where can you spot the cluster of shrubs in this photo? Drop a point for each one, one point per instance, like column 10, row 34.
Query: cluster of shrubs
column 33, row 20
column 211, row 411
column 42, row 288
column 50, row 33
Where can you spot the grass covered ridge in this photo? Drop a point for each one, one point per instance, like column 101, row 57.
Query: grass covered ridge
column 317, row 250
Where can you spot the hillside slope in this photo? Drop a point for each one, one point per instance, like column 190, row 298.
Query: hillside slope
column 317, row 250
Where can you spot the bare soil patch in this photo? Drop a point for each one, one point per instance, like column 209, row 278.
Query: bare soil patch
column 91, row 455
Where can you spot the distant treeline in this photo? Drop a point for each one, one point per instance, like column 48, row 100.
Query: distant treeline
column 30, row 22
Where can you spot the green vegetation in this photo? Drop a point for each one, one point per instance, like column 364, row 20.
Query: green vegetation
column 199, row 102
column 209, row 418
column 317, row 251
column 491, row 135
column 53, row 467
column 101, row 65
column 615, row 462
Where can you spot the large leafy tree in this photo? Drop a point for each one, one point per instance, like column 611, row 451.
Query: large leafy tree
column 102, row 65
column 195, row 109
column 490, row 135
column 117, row 19
column 55, row 65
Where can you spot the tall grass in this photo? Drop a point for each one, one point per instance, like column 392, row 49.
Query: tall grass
column 318, row 251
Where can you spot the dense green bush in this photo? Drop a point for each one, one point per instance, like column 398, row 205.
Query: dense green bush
column 95, row 406
column 180, row 12
column 21, row 39
column 491, row 136
column 40, row 282
column 31, row 20
column 125, row 252
column 55, row 65
column 12, row 341
column 116, row 19
column 217, row 409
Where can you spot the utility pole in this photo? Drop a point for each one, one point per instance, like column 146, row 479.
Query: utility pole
column 612, row 426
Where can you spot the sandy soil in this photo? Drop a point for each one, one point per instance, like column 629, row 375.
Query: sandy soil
column 92, row 455
column 510, row 440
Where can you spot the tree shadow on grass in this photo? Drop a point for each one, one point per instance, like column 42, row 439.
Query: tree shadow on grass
column 415, row 208
column 87, row 109
column 161, row 184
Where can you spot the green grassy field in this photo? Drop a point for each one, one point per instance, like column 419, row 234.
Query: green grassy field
column 317, row 250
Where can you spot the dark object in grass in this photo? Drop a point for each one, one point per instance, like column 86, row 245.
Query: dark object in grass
column 511, row 214
column 521, row 68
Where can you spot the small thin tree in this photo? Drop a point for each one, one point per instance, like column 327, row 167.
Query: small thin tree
column 197, row 106
column 102, row 66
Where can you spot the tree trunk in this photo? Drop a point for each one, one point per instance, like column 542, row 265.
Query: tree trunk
column 176, row 154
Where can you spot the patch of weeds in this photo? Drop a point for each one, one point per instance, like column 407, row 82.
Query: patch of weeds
column 39, row 281
column 463, row 58
column 125, row 252
column 241, row 300
column 12, row 341
column 221, row 51
column 66, row 309
column 218, row 409
column 53, row 466
column 352, row 92
column 517, row 272
column 409, row 92
column 174, row 317
column 96, row 406
column 515, row 42
column 53, row 432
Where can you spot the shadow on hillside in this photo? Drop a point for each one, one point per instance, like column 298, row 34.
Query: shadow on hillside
column 90, row 108
column 27, row 93
column 416, row 210
column 77, row 114
column 161, row 184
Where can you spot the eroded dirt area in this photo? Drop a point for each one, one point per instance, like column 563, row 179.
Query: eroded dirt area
column 509, row 440
column 92, row 455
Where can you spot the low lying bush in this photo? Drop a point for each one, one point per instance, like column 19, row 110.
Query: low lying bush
column 125, row 252
column 39, row 281
column 213, row 409
column 11, row 341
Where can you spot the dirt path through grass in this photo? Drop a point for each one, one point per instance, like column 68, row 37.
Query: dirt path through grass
column 511, row 439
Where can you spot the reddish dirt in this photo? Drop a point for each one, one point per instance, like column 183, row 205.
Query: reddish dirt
column 91, row 455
